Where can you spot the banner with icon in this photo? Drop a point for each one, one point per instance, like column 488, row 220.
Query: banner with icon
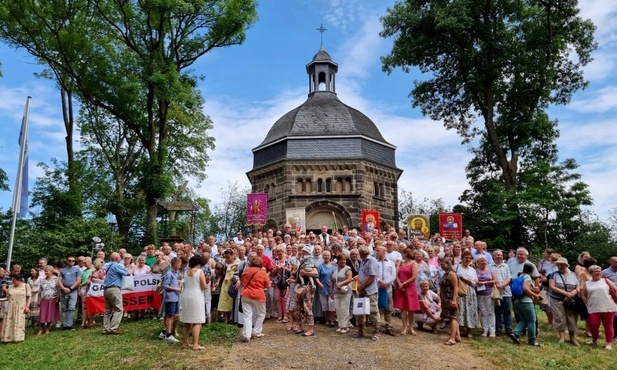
column 419, row 227
column 451, row 225
column 370, row 221
column 256, row 208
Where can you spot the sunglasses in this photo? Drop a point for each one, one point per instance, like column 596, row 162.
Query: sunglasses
column 71, row 261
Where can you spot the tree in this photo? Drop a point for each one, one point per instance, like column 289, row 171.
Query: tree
column 409, row 206
column 133, row 60
column 502, row 62
column 229, row 216
column 45, row 30
column 4, row 181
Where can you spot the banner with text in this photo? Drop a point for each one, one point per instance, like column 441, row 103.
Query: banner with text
column 142, row 297
column 451, row 225
column 419, row 227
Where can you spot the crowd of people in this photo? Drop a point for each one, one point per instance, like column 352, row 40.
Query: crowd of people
column 302, row 278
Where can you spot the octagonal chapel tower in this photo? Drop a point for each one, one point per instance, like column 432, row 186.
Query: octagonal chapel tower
column 327, row 157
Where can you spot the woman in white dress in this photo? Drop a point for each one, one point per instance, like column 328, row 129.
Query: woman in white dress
column 192, row 301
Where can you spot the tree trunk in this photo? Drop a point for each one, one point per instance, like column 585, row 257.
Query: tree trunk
column 69, row 124
column 152, row 212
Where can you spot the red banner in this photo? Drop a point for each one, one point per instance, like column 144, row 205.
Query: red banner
column 370, row 222
column 256, row 209
column 142, row 297
column 451, row 225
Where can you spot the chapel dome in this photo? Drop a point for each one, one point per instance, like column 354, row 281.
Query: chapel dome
column 321, row 115
column 323, row 127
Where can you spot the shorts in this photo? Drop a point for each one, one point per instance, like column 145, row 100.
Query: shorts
column 327, row 303
column 172, row 308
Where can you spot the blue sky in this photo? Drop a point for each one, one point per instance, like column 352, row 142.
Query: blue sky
column 248, row 87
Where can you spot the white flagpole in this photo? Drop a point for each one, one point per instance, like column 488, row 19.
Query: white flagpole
column 20, row 174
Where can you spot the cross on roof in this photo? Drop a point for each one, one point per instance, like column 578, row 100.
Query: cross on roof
column 321, row 30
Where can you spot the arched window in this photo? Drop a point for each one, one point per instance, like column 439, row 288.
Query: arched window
column 299, row 186
column 309, row 186
column 376, row 189
column 319, row 185
column 328, row 185
column 339, row 185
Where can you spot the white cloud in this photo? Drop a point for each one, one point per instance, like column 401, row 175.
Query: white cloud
column 598, row 101
column 603, row 13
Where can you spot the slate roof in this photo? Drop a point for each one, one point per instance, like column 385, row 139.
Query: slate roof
column 321, row 56
column 322, row 114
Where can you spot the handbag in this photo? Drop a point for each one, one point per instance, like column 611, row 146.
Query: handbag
column 232, row 291
column 128, row 283
column 575, row 303
column 361, row 306
column 462, row 286
column 612, row 292
column 282, row 284
column 495, row 294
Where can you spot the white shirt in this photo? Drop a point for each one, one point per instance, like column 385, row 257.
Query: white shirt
column 386, row 272
column 394, row 256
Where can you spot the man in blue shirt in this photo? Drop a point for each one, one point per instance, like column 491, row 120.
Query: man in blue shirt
column 69, row 282
column 113, row 295
column 172, row 300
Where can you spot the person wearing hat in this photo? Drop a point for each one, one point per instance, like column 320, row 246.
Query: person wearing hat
column 564, row 286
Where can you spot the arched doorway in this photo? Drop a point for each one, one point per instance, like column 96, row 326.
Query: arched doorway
column 326, row 213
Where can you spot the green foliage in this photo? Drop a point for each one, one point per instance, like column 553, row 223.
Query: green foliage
column 4, row 181
column 502, row 63
column 131, row 59
column 229, row 216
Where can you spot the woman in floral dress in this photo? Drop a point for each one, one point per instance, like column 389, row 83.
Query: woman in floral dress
column 14, row 329
column 49, row 296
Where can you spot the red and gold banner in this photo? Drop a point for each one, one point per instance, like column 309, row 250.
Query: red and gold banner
column 451, row 225
column 142, row 297
column 370, row 221
column 256, row 209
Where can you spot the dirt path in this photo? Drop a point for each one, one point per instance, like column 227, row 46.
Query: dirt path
column 280, row 349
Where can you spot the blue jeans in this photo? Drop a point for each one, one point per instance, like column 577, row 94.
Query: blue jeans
column 68, row 302
column 503, row 316
column 527, row 320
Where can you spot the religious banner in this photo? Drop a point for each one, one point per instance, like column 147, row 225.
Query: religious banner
column 296, row 217
column 451, row 225
column 370, row 221
column 419, row 227
column 142, row 297
column 256, row 209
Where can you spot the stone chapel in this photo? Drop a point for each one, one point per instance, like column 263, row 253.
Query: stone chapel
column 327, row 157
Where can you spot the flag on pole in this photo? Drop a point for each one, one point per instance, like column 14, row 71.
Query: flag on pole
column 22, row 206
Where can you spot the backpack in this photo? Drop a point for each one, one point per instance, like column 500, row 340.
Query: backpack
column 517, row 287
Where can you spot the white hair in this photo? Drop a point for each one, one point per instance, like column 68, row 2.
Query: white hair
column 521, row 249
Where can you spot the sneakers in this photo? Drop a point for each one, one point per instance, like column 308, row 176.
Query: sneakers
column 260, row 335
column 344, row 331
column 171, row 339
column 514, row 338
column 609, row 347
column 339, row 330
column 485, row 334
column 162, row 335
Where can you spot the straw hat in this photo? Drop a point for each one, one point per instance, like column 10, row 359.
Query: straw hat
column 562, row 261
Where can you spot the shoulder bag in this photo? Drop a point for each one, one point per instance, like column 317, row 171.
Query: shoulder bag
column 462, row 286
column 244, row 287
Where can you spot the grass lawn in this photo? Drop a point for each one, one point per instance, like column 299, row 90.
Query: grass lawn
column 552, row 355
column 137, row 348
